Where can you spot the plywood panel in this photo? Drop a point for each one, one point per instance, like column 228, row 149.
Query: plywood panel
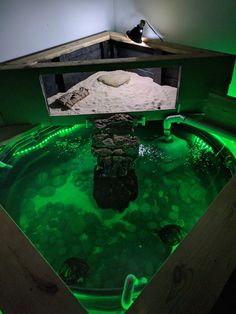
column 28, row 285
column 193, row 277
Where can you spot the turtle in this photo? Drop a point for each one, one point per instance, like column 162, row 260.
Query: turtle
column 74, row 270
column 171, row 234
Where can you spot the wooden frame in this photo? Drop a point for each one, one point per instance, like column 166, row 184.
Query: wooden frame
column 57, row 51
column 202, row 72
column 204, row 260
column 27, row 282
column 192, row 278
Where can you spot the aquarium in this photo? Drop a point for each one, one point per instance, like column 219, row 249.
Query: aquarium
column 50, row 173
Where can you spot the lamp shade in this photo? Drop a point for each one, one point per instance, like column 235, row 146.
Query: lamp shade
column 135, row 33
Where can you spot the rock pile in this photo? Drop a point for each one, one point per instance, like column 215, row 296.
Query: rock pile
column 116, row 148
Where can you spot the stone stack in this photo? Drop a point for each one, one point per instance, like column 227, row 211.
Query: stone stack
column 116, row 148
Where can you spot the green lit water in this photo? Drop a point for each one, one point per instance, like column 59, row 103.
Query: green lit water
column 52, row 189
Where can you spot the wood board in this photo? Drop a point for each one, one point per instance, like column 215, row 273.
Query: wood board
column 192, row 278
column 28, row 284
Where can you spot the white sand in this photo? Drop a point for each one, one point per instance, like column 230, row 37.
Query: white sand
column 139, row 94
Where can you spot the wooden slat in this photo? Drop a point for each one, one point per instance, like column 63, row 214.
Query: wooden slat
column 193, row 277
column 221, row 110
column 161, row 45
column 51, row 53
column 100, row 64
column 28, row 285
column 62, row 49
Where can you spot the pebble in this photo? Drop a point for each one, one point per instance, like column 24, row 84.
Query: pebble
column 59, row 181
column 175, row 208
column 77, row 225
column 41, row 179
column 31, row 192
column 130, row 227
column 47, row 191
column 173, row 215
column 184, row 192
column 145, row 207
column 108, row 213
column 152, row 225
column 133, row 206
column 56, row 171
column 28, row 206
column 181, row 222
column 62, row 251
column 75, row 250
column 197, row 192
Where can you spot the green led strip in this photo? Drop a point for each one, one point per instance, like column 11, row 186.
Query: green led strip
column 44, row 142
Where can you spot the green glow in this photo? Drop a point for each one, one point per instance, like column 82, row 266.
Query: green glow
column 60, row 216
column 1, row 312
column 232, row 86
column 201, row 144
column 43, row 143
column 230, row 144
column 94, row 300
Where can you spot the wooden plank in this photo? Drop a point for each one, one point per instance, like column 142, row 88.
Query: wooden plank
column 27, row 283
column 192, row 278
column 221, row 110
column 161, row 45
column 106, row 64
column 62, row 49
column 57, row 51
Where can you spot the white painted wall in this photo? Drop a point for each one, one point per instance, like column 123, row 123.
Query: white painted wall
column 207, row 24
column 27, row 26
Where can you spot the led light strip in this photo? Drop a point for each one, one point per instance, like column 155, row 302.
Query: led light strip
column 44, row 142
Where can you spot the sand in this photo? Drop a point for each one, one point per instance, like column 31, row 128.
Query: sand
column 139, row 94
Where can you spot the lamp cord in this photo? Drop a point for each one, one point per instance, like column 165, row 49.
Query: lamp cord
column 154, row 30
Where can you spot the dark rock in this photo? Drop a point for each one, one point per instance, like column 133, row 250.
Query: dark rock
column 115, row 192
column 116, row 124
column 116, row 148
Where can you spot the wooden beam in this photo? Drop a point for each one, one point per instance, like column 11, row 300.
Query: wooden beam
column 221, row 110
column 107, row 64
column 27, row 283
column 160, row 45
column 192, row 278
column 67, row 48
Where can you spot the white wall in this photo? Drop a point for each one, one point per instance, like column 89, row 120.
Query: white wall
column 27, row 26
column 207, row 24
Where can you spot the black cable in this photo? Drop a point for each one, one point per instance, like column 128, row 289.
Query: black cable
column 154, row 30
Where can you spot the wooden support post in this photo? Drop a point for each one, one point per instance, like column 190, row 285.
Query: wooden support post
column 192, row 278
column 102, row 50
column 59, row 79
column 28, row 285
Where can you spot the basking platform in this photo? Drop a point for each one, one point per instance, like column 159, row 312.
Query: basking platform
column 163, row 78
